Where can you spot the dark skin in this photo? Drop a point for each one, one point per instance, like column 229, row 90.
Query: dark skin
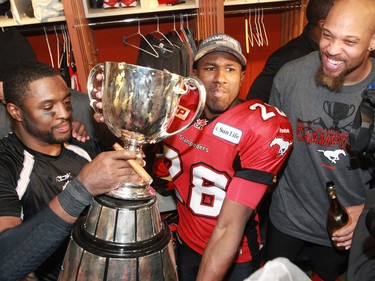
column 78, row 129
column 222, row 75
column 48, row 112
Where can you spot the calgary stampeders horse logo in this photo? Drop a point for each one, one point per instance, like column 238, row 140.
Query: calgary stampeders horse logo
column 283, row 145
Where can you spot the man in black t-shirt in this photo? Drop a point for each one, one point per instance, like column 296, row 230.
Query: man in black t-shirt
column 45, row 183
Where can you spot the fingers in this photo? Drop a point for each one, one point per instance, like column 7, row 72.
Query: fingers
column 342, row 238
column 107, row 171
column 97, row 105
column 79, row 131
column 135, row 165
column 99, row 77
column 99, row 117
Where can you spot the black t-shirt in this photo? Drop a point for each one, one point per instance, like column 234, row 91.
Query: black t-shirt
column 29, row 180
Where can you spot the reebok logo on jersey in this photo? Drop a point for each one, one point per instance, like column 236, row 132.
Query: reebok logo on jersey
column 182, row 112
column 227, row 133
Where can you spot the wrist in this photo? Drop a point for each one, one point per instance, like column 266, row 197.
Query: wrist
column 74, row 198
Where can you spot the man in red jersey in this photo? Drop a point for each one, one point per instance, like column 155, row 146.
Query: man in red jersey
column 222, row 166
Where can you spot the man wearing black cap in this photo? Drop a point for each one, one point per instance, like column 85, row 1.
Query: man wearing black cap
column 221, row 167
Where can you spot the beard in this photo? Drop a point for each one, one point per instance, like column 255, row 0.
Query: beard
column 44, row 135
column 332, row 83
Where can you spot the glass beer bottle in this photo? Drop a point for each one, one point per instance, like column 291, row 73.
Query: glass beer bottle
column 337, row 216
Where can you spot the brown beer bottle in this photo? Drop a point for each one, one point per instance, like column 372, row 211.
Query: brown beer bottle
column 337, row 217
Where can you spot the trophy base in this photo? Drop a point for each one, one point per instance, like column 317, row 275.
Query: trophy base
column 131, row 191
column 120, row 240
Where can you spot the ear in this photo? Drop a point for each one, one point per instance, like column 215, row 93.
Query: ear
column 372, row 43
column 242, row 76
column 321, row 23
column 14, row 111
column 194, row 72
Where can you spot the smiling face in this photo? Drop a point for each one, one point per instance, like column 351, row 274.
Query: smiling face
column 221, row 74
column 45, row 115
column 347, row 38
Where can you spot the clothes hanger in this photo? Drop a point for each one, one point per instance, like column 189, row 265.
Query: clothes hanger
column 68, row 46
column 182, row 28
column 138, row 33
column 264, row 28
column 260, row 28
column 258, row 35
column 175, row 30
column 251, row 35
column 63, row 46
column 247, row 35
column 57, row 46
column 48, row 46
column 187, row 25
column 164, row 38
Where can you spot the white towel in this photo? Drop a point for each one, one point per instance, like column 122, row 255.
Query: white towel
column 45, row 9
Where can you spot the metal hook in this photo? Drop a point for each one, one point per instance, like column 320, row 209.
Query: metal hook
column 157, row 24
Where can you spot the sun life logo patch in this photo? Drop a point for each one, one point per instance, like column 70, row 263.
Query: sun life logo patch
column 227, row 133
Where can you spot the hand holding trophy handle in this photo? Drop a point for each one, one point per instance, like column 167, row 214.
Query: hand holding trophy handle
column 93, row 87
column 135, row 166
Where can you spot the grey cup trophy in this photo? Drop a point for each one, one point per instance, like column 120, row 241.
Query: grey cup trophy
column 122, row 237
column 139, row 104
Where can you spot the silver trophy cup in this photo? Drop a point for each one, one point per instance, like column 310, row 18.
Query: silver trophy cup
column 122, row 237
column 139, row 105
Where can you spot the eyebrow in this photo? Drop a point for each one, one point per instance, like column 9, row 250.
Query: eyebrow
column 351, row 37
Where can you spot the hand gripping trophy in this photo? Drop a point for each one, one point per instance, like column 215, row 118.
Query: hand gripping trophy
column 123, row 237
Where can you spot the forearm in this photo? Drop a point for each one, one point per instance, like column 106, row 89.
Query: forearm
column 225, row 240
column 219, row 254
column 25, row 247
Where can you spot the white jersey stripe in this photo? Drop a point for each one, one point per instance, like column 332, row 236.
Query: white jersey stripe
column 23, row 181
column 80, row 151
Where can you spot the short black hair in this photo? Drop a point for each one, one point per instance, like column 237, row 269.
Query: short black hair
column 16, row 84
column 317, row 10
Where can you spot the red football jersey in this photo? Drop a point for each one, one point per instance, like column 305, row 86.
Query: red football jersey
column 234, row 156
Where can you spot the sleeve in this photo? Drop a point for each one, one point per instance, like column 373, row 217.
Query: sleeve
column 275, row 98
column 262, row 153
column 10, row 204
column 27, row 245
column 243, row 189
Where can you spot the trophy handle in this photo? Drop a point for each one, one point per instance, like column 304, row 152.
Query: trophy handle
column 191, row 83
column 92, row 85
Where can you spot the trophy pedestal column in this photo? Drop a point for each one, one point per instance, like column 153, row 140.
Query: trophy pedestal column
column 120, row 240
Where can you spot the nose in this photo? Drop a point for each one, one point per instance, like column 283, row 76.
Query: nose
column 63, row 111
column 219, row 76
column 334, row 47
